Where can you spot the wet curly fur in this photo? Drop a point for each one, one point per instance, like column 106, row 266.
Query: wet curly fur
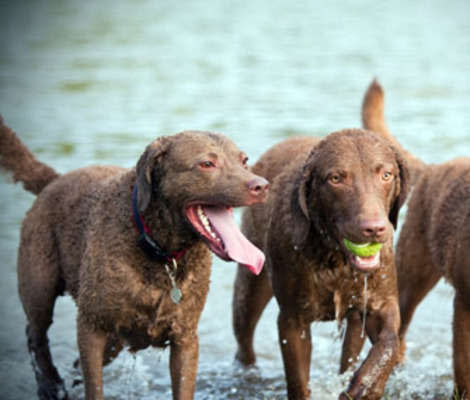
column 300, row 229
column 434, row 241
column 79, row 237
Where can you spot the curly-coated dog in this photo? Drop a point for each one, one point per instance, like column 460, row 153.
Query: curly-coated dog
column 132, row 248
column 434, row 242
column 327, row 232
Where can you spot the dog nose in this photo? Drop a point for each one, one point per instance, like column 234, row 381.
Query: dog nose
column 373, row 228
column 258, row 187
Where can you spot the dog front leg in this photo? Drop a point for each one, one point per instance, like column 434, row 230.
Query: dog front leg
column 296, row 348
column 91, row 344
column 353, row 340
column 369, row 381
column 461, row 345
column 184, row 354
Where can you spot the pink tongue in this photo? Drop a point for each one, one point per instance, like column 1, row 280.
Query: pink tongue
column 237, row 246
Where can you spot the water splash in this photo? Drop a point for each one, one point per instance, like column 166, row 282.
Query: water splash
column 131, row 375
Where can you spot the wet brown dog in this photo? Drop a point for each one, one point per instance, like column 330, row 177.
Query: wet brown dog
column 434, row 242
column 350, row 185
column 132, row 248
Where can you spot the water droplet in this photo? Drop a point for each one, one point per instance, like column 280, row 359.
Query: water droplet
column 296, row 248
column 364, row 312
column 303, row 335
column 284, row 341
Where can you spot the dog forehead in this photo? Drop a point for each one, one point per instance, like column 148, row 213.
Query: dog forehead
column 346, row 149
column 193, row 143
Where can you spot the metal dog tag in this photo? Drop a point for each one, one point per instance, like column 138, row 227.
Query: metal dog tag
column 175, row 292
column 175, row 295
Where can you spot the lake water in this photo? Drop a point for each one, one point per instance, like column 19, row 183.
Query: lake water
column 94, row 82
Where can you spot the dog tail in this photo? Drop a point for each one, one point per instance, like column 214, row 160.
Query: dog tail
column 373, row 118
column 373, row 115
column 16, row 158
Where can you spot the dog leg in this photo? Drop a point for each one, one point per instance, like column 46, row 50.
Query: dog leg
column 369, row 381
column 50, row 384
column 250, row 296
column 296, row 348
column 461, row 345
column 416, row 276
column 39, row 285
column 184, row 356
column 353, row 341
column 91, row 344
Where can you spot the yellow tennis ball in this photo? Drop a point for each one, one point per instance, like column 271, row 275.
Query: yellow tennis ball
column 363, row 250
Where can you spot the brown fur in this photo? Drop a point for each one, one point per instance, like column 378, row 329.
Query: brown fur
column 301, row 229
column 373, row 118
column 21, row 162
column 79, row 237
column 435, row 242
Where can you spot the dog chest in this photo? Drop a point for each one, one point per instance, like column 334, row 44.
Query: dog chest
column 328, row 294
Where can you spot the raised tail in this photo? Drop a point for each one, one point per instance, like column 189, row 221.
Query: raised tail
column 373, row 115
column 373, row 118
column 21, row 163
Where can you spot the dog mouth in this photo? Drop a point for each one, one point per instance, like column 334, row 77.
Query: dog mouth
column 363, row 256
column 217, row 226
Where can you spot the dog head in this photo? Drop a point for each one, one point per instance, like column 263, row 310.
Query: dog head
column 350, row 192
column 201, row 176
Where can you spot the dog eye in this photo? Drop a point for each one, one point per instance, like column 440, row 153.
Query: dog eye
column 335, row 179
column 245, row 161
column 206, row 164
column 387, row 176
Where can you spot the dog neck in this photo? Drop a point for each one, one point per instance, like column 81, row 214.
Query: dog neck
column 145, row 241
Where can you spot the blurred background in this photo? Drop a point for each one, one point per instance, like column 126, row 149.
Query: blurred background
column 94, row 82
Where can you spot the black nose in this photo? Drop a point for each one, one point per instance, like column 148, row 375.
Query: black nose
column 258, row 186
column 373, row 228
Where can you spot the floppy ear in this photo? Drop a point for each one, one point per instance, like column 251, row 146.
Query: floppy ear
column 402, row 189
column 299, row 205
column 147, row 162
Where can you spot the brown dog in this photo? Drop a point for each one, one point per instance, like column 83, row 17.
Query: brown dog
column 131, row 247
column 434, row 242
column 350, row 185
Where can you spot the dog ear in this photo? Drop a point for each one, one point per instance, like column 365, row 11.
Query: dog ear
column 402, row 189
column 144, row 171
column 300, row 197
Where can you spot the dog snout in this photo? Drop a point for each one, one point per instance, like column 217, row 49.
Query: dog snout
column 258, row 188
column 373, row 229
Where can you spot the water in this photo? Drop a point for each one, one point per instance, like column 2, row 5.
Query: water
column 94, row 82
